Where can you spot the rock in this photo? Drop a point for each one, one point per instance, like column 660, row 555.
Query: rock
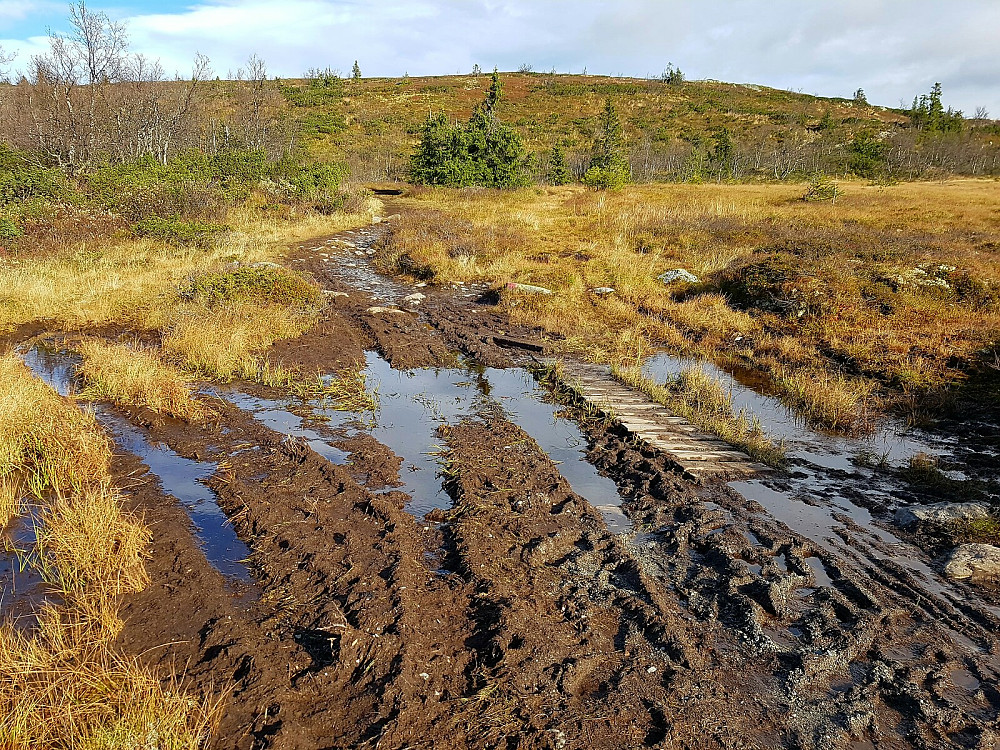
column 414, row 299
column 377, row 310
column 528, row 288
column 678, row 274
column 973, row 561
column 602, row 290
column 376, row 220
column 333, row 294
column 940, row 513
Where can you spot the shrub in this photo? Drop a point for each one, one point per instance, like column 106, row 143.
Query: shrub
column 10, row 229
column 609, row 168
column 178, row 232
column 482, row 152
column 821, row 187
column 263, row 284
column 20, row 179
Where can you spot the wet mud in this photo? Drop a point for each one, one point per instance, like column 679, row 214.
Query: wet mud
column 478, row 565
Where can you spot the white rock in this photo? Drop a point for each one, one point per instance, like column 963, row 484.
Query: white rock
column 677, row 274
column 602, row 290
column 377, row 310
column 333, row 294
column 940, row 513
column 973, row 561
column 414, row 299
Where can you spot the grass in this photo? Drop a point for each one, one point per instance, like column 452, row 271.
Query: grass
column 66, row 686
column 696, row 396
column 817, row 299
column 63, row 683
column 133, row 375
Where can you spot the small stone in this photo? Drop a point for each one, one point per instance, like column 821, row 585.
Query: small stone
column 424, row 675
column 973, row 561
column 333, row 294
column 376, row 310
column 602, row 290
column 415, row 298
column 651, row 670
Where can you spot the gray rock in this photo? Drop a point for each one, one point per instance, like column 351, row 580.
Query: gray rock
column 602, row 290
column 678, row 274
column 940, row 513
column 973, row 561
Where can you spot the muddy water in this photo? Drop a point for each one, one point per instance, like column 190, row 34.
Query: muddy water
column 413, row 404
column 180, row 477
column 831, row 489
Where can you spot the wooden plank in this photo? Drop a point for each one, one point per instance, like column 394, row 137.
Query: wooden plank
column 699, row 454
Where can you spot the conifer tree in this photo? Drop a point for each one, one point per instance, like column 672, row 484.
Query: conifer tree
column 609, row 168
column 356, row 71
column 558, row 172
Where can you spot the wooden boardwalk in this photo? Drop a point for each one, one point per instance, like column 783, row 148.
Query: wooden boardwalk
column 703, row 456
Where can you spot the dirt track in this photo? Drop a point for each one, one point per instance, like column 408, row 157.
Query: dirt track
column 516, row 618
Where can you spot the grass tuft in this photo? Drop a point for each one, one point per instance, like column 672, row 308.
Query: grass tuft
column 698, row 397
column 132, row 375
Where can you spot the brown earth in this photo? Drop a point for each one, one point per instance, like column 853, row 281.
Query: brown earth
column 516, row 619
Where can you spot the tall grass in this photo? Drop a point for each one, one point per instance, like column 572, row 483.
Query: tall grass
column 695, row 395
column 867, row 342
column 133, row 375
column 64, row 684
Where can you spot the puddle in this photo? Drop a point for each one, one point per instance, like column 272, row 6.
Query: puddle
column 964, row 679
column 22, row 590
column 830, row 485
column 179, row 477
column 414, row 403
column 183, row 479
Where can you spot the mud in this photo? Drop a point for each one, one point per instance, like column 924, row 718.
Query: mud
column 479, row 597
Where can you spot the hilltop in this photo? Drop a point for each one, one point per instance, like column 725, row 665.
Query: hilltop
column 673, row 129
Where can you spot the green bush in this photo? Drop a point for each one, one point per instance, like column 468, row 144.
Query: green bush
column 179, row 232
column 483, row 152
column 140, row 189
column 10, row 230
column 21, row 180
column 258, row 283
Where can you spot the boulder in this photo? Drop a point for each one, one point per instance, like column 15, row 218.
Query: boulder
column 973, row 561
column 678, row 274
column 940, row 513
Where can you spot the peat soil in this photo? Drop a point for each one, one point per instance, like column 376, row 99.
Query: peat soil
column 516, row 618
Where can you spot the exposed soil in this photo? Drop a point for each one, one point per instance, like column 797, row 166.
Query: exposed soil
column 516, row 619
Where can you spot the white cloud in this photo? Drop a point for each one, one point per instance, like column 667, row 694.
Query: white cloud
column 892, row 48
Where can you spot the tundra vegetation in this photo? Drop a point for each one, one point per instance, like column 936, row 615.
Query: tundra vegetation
column 157, row 208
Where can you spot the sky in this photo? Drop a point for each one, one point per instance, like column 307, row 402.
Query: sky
column 893, row 49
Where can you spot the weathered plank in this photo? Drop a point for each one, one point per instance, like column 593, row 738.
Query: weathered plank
column 699, row 454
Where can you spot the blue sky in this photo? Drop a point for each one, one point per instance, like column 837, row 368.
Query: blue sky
column 894, row 49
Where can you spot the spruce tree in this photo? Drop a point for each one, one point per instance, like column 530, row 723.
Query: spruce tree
column 558, row 173
column 482, row 152
column 356, row 71
column 609, row 168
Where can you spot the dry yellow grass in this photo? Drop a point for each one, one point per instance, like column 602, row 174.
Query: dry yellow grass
column 132, row 282
column 228, row 341
column 64, row 684
column 46, row 442
column 133, row 375
column 855, row 339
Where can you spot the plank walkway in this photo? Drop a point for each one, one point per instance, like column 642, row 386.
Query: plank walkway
column 703, row 456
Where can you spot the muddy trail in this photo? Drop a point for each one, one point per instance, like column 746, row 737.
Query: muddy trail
column 479, row 565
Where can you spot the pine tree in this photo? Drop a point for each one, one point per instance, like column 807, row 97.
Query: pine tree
column 356, row 71
column 609, row 169
column 558, row 173
column 860, row 100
